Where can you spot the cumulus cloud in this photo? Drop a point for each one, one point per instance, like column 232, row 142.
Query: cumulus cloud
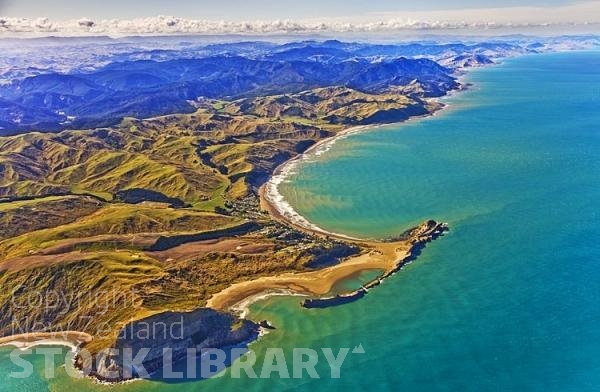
column 488, row 19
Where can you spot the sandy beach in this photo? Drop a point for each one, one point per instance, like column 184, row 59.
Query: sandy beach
column 385, row 256
column 376, row 255
column 71, row 339
column 273, row 201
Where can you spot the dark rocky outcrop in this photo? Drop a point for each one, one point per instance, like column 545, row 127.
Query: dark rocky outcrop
column 312, row 303
column 266, row 324
column 200, row 329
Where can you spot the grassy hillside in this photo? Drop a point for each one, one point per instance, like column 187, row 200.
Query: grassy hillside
column 121, row 221
column 25, row 216
column 163, row 208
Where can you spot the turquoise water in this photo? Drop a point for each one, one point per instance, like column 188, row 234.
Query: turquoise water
column 509, row 299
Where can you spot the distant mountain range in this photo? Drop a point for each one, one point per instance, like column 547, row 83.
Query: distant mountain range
column 143, row 83
column 148, row 88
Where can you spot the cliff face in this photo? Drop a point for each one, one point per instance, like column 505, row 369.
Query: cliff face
column 200, row 329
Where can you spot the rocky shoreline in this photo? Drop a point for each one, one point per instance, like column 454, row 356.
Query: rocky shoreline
column 429, row 231
column 176, row 331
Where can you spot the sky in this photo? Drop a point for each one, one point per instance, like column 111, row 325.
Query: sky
column 228, row 16
column 238, row 10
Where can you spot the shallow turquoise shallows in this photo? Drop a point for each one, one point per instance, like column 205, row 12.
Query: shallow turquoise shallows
column 509, row 300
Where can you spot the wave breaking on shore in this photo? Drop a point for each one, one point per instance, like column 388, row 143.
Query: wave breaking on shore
column 72, row 340
column 274, row 197
column 242, row 308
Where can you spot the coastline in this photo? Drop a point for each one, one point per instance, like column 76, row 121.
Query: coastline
column 73, row 340
column 272, row 201
column 240, row 296
column 390, row 257
column 377, row 255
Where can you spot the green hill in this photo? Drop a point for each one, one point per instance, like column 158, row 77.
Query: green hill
column 70, row 223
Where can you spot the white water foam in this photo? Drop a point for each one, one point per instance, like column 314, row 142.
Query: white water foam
column 277, row 200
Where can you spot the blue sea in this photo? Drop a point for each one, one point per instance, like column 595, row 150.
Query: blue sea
column 508, row 300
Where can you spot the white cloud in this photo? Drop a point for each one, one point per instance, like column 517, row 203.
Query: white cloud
column 475, row 19
column 576, row 13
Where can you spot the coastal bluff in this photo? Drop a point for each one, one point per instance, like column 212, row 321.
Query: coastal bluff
column 174, row 331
